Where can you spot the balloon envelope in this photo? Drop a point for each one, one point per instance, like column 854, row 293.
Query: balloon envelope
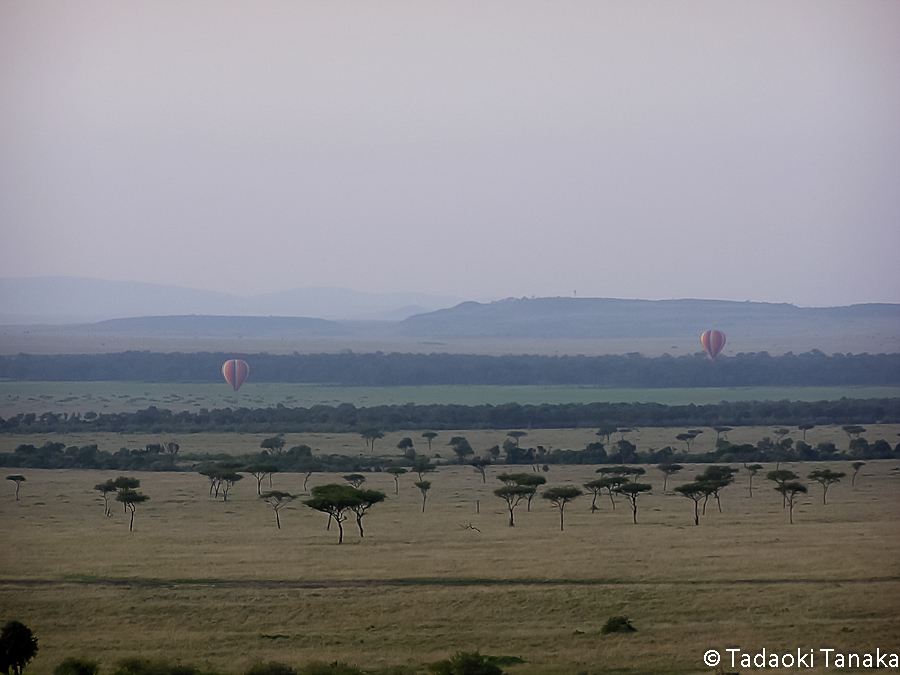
column 235, row 372
column 713, row 341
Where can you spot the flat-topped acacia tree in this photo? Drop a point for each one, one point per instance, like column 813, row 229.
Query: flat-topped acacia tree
column 396, row 472
column 631, row 492
column 512, row 495
column 131, row 498
column 559, row 497
column 668, row 470
column 424, row 486
column 856, row 467
column 105, row 489
column 694, row 491
column 789, row 491
column 276, row 501
column 365, row 499
column 752, row 470
column 827, row 478
column 780, row 477
column 18, row 479
column 334, row 500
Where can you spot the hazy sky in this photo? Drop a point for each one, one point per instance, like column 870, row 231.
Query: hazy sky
column 740, row 150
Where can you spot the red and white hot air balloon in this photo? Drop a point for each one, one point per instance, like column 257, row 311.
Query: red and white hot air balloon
column 235, row 372
column 713, row 341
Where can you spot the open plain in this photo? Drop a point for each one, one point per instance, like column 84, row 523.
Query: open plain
column 215, row 584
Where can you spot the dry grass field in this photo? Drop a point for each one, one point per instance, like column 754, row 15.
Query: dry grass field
column 216, row 585
column 115, row 397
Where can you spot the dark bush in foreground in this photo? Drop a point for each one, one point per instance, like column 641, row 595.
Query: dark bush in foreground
column 271, row 668
column 618, row 624
column 466, row 663
column 73, row 666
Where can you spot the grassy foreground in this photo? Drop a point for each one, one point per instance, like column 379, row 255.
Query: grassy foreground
column 215, row 584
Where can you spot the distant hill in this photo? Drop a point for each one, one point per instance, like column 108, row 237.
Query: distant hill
column 602, row 318
column 69, row 300
column 218, row 326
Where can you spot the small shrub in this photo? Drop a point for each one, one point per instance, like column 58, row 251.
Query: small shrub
column 73, row 666
column 148, row 667
column 271, row 668
column 617, row 624
column 466, row 663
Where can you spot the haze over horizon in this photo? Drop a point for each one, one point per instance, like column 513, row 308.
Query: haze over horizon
column 740, row 151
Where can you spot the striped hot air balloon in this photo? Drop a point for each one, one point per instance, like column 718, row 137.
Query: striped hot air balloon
column 235, row 372
column 713, row 341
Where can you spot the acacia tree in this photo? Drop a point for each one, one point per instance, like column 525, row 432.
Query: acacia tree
column 694, row 491
column 259, row 471
column 752, row 470
column 856, row 467
column 716, row 477
column 228, row 479
column 559, row 497
column 277, row 500
column 512, row 495
column 781, row 477
column 130, row 499
column 516, row 435
column 611, row 483
column 668, row 470
column 480, row 464
column 424, row 486
column 18, row 646
column 429, row 436
column 405, row 445
column 421, row 466
column 804, row 428
column 370, row 436
column 527, row 480
column 596, row 488
column 355, row 479
column 365, row 499
column 396, row 471
column 789, row 491
column 105, row 489
column 461, row 447
column 274, row 445
column 631, row 491
column 18, row 479
column 308, row 466
column 334, row 500
column 827, row 478
column 123, row 484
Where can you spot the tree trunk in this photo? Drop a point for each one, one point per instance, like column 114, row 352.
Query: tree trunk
column 277, row 519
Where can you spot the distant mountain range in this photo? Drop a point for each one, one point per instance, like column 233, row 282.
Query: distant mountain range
column 91, row 308
column 71, row 300
column 601, row 318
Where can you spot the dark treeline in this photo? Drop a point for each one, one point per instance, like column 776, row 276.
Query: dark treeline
column 300, row 458
column 378, row 369
column 349, row 418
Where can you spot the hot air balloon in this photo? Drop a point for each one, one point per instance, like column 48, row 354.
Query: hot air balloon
column 235, row 372
column 713, row 341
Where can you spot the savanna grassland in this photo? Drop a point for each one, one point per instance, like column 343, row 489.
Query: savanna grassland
column 116, row 397
column 216, row 584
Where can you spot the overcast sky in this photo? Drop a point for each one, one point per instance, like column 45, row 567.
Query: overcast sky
column 737, row 150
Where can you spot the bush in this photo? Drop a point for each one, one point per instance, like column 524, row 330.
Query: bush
column 148, row 667
column 73, row 666
column 617, row 624
column 271, row 668
column 466, row 663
